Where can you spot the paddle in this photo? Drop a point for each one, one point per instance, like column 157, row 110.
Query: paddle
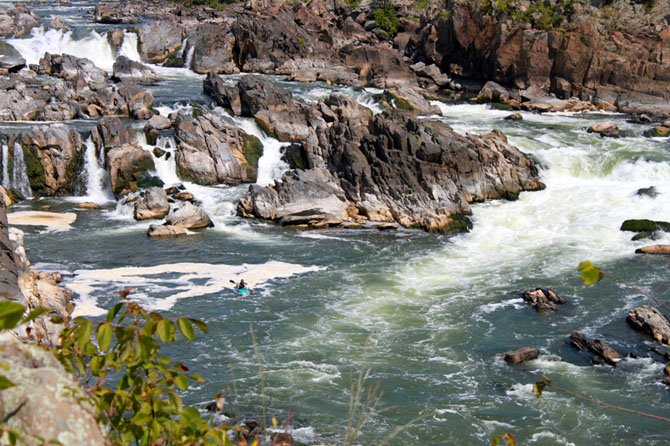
column 246, row 288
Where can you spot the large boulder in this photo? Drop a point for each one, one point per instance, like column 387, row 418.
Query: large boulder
column 17, row 21
column 139, row 101
column 10, row 59
column 126, row 165
column 608, row 129
column 650, row 321
column 126, row 69
column 45, row 402
column 158, row 40
column 189, row 216
column 212, row 150
column 53, row 156
column 153, row 203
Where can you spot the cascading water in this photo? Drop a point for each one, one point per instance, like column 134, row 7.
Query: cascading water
column 5, row 166
column 188, row 60
column 97, row 181
column 20, row 173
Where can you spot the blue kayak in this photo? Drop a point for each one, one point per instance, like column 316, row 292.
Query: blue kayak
column 243, row 291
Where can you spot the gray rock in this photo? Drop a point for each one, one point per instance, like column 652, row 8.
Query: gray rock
column 111, row 132
column 159, row 40
column 10, row 59
column 152, row 204
column 126, row 69
column 189, row 216
column 127, row 164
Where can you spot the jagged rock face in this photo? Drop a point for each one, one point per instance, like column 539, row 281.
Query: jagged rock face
column 159, row 40
column 384, row 168
column 211, row 150
column 53, row 155
column 618, row 61
column 45, row 401
column 17, row 21
column 125, row 68
column 126, row 165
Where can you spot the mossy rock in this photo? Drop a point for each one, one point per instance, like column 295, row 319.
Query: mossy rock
column 646, row 236
column 645, row 226
column 400, row 103
column 252, row 149
column 15, row 195
column 658, row 131
column 144, row 181
column 459, row 223
column 174, row 61
column 35, row 170
column 295, row 156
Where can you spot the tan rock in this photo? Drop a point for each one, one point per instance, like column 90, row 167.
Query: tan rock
column 654, row 249
column 88, row 205
column 160, row 231
column 523, row 354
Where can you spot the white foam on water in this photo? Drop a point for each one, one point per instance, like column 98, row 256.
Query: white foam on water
column 53, row 221
column 547, row 438
column 175, row 281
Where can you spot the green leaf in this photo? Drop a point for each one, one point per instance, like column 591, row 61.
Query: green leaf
column 165, row 329
column 5, row 383
column 200, row 324
column 104, row 335
column 186, row 328
column 181, row 382
column 10, row 314
column 84, row 332
column 111, row 314
column 34, row 314
column 589, row 272
column 538, row 388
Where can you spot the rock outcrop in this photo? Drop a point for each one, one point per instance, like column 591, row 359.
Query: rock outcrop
column 650, row 321
column 17, row 21
column 543, row 299
column 53, row 157
column 212, row 150
column 386, row 168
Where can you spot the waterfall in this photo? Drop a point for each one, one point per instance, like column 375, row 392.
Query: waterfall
column 5, row 166
column 166, row 169
column 189, row 57
column 94, row 47
column 20, row 180
column 97, row 183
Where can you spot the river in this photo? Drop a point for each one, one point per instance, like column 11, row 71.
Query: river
column 429, row 316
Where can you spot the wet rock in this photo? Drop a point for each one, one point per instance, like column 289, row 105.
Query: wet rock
column 521, row 355
column 409, row 98
column 10, row 59
column 212, row 150
column 543, row 299
column 189, row 216
column 659, row 131
column 655, row 235
column 88, row 205
column 166, row 231
column 650, row 321
column 654, row 249
column 514, row 117
column 183, row 196
column 644, row 225
column 152, row 204
column 159, row 40
column 6, row 199
column 115, row 38
column 126, row 69
column 603, row 351
column 53, row 155
column 158, row 152
column 126, row 165
column 605, row 129
column 650, row 192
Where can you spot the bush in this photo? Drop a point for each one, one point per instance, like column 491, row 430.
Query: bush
column 386, row 19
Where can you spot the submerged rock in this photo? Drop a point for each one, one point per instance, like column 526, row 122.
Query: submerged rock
column 654, row 249
column 603, row 351
column 645, row 226
column 649, row 320
column 650, row 192
column 521, row 355
column 166, row 231
column 543, row 299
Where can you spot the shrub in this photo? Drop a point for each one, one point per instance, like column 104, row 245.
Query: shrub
column 386, row 19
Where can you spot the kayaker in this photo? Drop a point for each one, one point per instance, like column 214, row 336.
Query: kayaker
column 242, row 285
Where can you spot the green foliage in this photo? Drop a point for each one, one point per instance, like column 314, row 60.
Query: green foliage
column 589, row 272
column 539, row 386
column 540, row 14
column 252, row 148
column 386, row 19
column 143, row 406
